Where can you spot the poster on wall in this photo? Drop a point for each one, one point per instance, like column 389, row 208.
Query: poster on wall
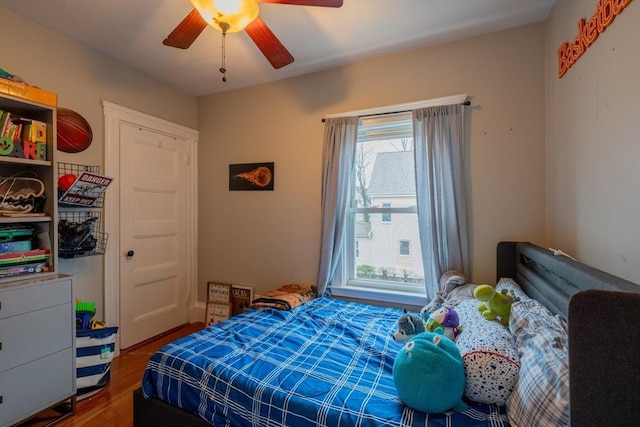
column 251, row 176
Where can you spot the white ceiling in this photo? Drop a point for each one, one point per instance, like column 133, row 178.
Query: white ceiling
column 131, row 31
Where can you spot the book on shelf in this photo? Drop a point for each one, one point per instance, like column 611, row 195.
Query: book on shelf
column 22, row 137
column 85, row 190
column 14, row 258
column 15, row 246
column 5, row 123
column 28, row 268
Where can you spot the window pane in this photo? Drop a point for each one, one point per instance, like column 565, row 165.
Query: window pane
column 378, row 256
column 384, row 245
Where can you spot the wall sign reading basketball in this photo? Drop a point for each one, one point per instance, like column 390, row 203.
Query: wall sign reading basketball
column 588, row 32
column 74, row 132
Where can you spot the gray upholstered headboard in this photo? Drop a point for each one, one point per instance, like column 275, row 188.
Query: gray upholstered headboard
column 603, row 313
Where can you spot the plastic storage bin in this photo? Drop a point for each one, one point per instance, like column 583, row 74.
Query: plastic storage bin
column 94, row 354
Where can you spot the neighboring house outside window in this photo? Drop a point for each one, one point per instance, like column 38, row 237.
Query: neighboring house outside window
column 384, row 185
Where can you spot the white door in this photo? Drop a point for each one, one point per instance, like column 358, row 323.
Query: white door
column 153, row 234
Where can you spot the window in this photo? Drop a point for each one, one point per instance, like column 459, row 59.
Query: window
column 386, row 217
column 404, row 248
column 353, row 208
column 378, row 256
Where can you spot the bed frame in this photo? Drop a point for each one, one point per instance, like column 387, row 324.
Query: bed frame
column 603, row 313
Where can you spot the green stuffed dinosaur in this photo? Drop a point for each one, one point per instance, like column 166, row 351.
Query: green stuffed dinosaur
column 494, row 304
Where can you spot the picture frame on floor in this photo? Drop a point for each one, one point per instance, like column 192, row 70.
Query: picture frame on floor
column 217, row 312
column 241, row 298
column 218, row 292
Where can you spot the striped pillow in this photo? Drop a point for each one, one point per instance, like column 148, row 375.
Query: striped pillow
column 541, row 396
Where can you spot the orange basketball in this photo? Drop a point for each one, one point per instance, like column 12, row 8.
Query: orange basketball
column 74, row 132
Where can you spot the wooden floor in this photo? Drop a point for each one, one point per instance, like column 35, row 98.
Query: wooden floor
column 113, row 405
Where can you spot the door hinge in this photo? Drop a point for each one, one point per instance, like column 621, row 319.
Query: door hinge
column 0, row 398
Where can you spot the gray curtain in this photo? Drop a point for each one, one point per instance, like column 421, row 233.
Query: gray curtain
column 438, row 134
column 339, row 150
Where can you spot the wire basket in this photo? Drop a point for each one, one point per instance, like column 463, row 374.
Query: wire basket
column 80, row 235
column 76, row 170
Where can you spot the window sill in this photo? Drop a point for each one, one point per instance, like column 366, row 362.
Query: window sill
column 398, row 299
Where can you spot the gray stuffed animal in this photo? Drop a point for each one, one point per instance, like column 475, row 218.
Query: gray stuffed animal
column 450, row 280
column 408, row 326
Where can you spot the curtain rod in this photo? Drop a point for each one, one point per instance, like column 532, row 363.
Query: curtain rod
column 403, row 108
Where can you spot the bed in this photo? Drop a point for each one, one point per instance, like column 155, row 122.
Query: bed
column 329, row 362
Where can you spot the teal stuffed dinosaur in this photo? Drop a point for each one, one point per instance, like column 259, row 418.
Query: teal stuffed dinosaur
column 494, row 304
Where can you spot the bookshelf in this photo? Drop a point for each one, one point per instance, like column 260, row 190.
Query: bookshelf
column 37, row 321
column 28, row 185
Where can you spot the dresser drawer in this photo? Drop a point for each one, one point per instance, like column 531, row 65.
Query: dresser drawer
column 35, row 386
column 23, row 299
column 35, row 334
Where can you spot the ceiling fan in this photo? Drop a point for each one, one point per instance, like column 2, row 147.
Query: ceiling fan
column 229, row 16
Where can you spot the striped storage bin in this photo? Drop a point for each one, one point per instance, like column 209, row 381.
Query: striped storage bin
column 94, row 353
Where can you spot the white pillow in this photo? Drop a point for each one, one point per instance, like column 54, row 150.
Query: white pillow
column 490, row 356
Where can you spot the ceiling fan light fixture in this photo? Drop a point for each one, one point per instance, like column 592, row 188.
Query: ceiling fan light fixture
column 227, row 16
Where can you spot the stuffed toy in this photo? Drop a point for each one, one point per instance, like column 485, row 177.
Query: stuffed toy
column 444, row 320
column 429, row 374
column 494, row 304
column 408, row 326
column 449, row 281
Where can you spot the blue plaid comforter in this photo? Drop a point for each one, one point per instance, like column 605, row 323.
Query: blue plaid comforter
column 325, row 363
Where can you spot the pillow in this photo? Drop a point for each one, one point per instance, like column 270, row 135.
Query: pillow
column 286, row 297
column 510, row 285
column 490, row 356
column 541, row 396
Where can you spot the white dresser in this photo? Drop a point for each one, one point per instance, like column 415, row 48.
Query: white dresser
column 37, row 348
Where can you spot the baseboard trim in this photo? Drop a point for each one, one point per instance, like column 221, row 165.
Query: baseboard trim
column 197, row 312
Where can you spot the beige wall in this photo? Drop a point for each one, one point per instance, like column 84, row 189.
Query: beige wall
column 591, row 197
column 83, row 78
column 267, row 239
column 593, row 142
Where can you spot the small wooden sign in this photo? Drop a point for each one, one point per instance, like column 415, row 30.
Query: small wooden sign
column 219, row 292
column 241, row 298
column 217, row 312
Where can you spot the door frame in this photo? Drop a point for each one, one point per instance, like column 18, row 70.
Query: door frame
column 114, row 115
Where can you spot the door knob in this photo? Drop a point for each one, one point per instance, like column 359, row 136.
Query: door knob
column 130, row 254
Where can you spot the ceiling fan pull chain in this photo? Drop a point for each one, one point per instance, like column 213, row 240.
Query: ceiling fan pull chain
column 222, row 69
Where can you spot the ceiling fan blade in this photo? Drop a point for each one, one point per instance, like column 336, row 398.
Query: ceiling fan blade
column 268, row 43
column 323, row 3
column 186, row 32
